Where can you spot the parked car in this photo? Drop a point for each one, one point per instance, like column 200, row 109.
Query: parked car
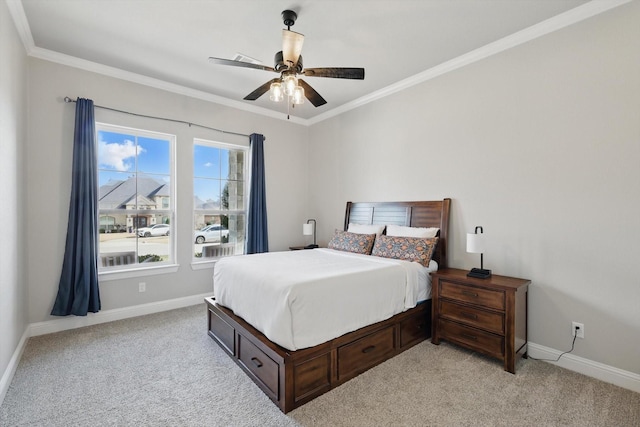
column 211, row 233
column 154, row 230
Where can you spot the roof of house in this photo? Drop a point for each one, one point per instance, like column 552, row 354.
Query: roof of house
column 116, row 194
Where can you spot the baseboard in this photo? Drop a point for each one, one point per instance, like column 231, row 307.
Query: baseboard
column 5, row 381
column 73, row 322
column 600, row 371
column 619, row 377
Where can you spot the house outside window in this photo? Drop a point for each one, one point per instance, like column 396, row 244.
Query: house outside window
column 136, row 200
column 220, row 206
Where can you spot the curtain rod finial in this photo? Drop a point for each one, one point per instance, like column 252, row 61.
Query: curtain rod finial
column 67, row 99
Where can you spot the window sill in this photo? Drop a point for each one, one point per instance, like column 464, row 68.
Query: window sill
column 203, row 265
column 105, row 276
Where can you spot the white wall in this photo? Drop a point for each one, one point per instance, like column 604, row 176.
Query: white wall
column 49, row 157
column 540, row 145
column 13, row 91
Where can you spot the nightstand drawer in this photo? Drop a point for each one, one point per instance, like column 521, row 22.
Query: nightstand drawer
column 471, row 294
column 476, row 339
column 485, row 315
column 493, row 322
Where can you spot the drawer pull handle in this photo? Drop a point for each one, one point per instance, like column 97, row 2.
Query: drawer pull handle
column 256, row 362
column 470, row 294
column 471, row 337
column 368, row 349
column 470, row 315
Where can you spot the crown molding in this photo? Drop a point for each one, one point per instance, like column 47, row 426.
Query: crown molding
column 22, row 25
column 570, row 17
column 72, row 61
column 24, row 31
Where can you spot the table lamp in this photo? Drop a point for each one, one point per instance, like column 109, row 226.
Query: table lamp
column 476, row 245
column 309, row 229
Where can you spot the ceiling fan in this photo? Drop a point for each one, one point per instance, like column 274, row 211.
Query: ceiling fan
column 288, row 62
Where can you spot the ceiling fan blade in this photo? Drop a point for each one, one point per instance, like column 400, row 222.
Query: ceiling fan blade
column 261, row 90
column 291, row 46
column 233, row 63
column 311, row 94
column 336, row 73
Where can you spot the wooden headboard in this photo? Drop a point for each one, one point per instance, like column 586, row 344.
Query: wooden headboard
column 413, row 214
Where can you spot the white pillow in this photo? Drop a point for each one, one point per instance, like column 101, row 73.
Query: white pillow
column 365, row 229
column 401, row 231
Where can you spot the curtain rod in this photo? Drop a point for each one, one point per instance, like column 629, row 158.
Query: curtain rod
column 67, row 100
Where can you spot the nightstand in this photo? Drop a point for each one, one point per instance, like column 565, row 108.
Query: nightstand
column 485, row 315
column 298, row 248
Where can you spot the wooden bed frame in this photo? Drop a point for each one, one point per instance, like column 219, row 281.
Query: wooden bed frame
column 293, row 378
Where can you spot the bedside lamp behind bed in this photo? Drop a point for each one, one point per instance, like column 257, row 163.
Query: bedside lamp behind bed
column 309, row 229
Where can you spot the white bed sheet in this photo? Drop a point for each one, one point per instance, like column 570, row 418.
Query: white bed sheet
column 300, row 299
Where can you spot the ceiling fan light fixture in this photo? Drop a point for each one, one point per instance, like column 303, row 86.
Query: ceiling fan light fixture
column 290, row 82
column 291, row 47
column 288, row 64
column 275, row 92
column 298, row 95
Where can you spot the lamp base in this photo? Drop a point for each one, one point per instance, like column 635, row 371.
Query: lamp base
column 479, row 273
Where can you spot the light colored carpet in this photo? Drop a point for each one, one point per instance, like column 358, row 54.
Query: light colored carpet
column 163, row 370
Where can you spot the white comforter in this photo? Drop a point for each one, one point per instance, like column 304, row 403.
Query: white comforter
column 300, row 299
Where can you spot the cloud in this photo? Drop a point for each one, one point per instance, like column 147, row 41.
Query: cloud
column 115, row 155
column 208, row 164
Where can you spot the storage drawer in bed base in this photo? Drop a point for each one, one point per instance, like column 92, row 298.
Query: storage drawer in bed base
column 293, row 378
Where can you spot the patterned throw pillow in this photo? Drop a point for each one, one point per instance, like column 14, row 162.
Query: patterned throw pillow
column 352, row 242
column 405, row 248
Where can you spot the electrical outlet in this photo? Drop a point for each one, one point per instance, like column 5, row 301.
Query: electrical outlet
column 577, row 329
column 142, row 287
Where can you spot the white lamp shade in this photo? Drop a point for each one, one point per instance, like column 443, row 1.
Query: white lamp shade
column 307, row 229
column 476, row 243
column 291, row 46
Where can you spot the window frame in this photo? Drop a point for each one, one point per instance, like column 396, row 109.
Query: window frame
column 137, row 269
column 199, row 262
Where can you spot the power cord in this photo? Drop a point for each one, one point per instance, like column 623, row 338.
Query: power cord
column 575, row 335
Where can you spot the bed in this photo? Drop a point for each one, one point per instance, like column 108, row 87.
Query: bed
column 293, row 369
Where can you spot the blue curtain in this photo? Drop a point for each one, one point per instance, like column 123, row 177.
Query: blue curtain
column 78, row 288
column 257, row 236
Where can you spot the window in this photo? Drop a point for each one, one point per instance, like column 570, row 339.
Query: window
column 135, row 198
column 219, row 188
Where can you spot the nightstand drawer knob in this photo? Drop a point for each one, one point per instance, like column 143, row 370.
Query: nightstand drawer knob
column 256, row 362
column 469, row 315
column 469, row 293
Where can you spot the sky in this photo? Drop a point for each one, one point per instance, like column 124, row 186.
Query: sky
column 210, row 162
column 210, row 167
column 121, row 155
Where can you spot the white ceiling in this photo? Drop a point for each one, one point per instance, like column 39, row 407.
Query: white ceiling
column 158, row 41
